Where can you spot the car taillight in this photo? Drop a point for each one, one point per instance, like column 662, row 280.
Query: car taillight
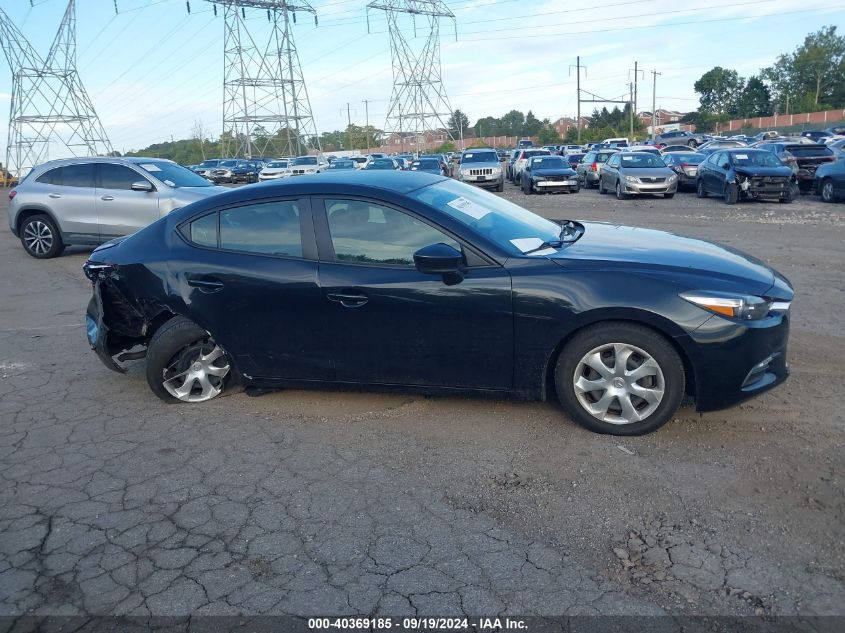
column 12, row 194
column 594, row 167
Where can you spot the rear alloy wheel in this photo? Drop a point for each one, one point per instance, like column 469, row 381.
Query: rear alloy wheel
column 700, row 191
column 827, row 191
column 620, row 379
column 619, row 194
column 40, row 237
column 731, row 193
column 184, row 364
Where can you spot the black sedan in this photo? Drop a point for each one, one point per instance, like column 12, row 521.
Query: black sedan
column 747, row 173
column 549, row 174
column 414, row 281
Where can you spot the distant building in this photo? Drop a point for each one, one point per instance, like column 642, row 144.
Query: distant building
column 564, row 124
column 664, row 117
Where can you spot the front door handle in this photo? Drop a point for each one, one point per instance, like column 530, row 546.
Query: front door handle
column 55, row 195
column 348, row 299
column 106, row 198
column 206, row 284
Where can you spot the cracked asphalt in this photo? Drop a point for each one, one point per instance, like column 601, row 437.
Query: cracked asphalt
column 316, row 503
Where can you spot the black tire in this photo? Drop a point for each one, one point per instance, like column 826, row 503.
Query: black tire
column 700, row 191
column 826, row 191
column 692, row 144
column 789, row 196
column 527, row 188
column 602, row 190
column 650, row 342
column 731, row 194
column 619, row 194
column 40, row 237
column 178, row 336
column 501, row 186
column 668, row 196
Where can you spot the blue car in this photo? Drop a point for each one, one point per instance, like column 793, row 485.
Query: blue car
column 418, row 282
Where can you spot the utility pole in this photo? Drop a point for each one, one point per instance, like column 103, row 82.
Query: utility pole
column 631, row 95
column 348, row 127
column 654, row 105
column 637, row 72
column 367, row 122
column 578, row 68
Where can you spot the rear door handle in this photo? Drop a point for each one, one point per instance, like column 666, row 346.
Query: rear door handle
column 207, row 284
column 107, row 198
column 348, row 299
column 55, row 195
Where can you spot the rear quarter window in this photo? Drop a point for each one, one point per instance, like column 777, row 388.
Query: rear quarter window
column 51, row 177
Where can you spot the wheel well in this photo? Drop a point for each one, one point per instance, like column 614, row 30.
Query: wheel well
column 25, row 214
column 549, row 380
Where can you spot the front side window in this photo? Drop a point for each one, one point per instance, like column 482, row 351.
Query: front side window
column 368, row 233
column 118, row 176
column 269, row 228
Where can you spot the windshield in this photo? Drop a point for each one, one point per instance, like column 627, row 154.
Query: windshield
column 549, row 162
column 759, row 158
column 305, row 160
column 173, row 175
column 342, row 164
column 602, row 157
column 432, row 165
column 479, row 157
column 227, row 163
column 278, row 164
column 381, row 164
column 209, row 163
column 536, row 152
column 639, row 161
column 809, row 150
column 515, row 229
column 691, row 158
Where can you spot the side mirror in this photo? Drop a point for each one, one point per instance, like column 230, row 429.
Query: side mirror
column 726, row 166
column 142, row 185
column 440, row 259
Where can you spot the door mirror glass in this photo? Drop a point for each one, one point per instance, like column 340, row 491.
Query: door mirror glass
column 438, row 259
column 142, row 185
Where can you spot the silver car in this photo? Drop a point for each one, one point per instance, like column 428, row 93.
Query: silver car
column 87, row 201
column 589, row 169
column 481, row 167
column 629, row 173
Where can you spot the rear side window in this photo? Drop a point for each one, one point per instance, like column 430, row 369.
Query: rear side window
column 81, row 175
column 52, row 177
column 203, row 231
column 118, row 176
column 269, row 228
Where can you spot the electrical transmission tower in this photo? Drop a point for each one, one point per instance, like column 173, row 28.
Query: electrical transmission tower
column 49, row 103
column 266, row 111
column 418, row 103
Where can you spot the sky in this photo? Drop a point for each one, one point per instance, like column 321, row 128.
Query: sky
column 152, row 71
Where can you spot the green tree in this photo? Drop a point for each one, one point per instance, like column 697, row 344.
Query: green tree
column 720, row 89
column 532, row 125
column 755, row 99
column 512, row 123
column 458, row 124
column 547, row 135
column 811, row 77
column 488, row 126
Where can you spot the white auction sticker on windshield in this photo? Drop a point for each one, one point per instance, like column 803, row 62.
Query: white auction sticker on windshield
column 545, row 251
column 536, row 160
column 468, row 155
column 741, row 156
column 526, row 244
column 149, row 167
column 470, row 208
column 628, row 157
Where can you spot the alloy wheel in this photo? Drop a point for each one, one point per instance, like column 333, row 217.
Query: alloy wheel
column 619, row 383
column 38, row 237
column 196, row 373
column 827, row 191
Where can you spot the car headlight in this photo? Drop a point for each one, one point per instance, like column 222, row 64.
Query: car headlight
column 539, row 178
column 497, row 170
column 673, row 178
column 742, row 307
column 631, row 179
